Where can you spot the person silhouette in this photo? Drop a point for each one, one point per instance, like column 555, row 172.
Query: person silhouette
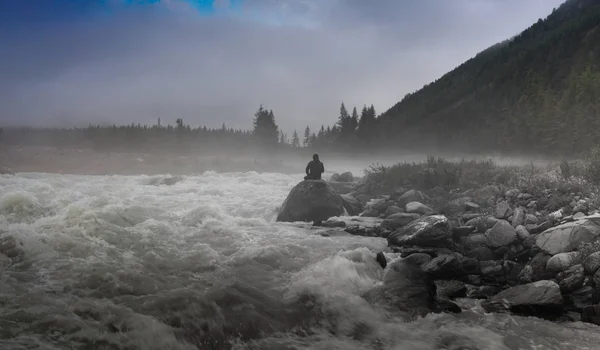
column 314, row 169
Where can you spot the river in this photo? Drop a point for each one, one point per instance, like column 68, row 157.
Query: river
column 198, row 262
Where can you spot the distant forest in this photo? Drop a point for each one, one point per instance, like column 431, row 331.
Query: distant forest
column 350, row 131
column 538, row 92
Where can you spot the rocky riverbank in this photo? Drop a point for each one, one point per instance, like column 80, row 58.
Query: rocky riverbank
column 533, row 253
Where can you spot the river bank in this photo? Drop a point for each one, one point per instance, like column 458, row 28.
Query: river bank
column 523, row 240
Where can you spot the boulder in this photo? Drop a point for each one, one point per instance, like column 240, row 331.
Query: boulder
column 342, row 187
column 591, row 264
column 591, row 314
column 537, row 298
column 380, row 205
column 450, row 289
column 535, row 270
column 531, row 219
column 457, row 206
column 351, row 204
column 473, row 241
column 571, row 279
column 410, row 196
column 445, row 266
column 518, row 217
column 333, row 223
column 311, row 200
column 503, row 210
column 563, row 261
column 481, row 254
column 335, row 177
column 398, row 220
column 429, row 231
column 567, row 237
column 391, row 210
column 408, row 287
column 522, row 232
column 418, row 208
column 482, row 223
column 502, row 234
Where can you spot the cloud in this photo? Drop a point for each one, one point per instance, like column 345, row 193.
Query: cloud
column 301, row 58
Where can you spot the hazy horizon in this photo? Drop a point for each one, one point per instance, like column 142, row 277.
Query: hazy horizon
column 214, row 62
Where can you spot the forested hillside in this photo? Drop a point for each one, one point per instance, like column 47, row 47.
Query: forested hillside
column 537, row 92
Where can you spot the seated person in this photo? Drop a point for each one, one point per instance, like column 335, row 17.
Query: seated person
column 314, row 169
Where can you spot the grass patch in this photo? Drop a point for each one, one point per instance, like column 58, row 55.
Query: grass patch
column 554, row 186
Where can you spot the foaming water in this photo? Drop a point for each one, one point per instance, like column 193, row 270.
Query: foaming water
column 197, row 262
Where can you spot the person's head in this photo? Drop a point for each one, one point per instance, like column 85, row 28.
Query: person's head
column 315, row 157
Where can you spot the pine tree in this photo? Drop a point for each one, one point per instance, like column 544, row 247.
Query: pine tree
column 295, row 140
column 306, row 136
column 265, row 129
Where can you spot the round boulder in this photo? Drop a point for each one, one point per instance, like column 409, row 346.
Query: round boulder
column 311, row 200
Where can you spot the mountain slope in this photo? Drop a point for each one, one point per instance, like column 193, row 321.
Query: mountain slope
column 538, row 92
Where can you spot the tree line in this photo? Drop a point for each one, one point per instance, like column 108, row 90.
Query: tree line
column 350, row 131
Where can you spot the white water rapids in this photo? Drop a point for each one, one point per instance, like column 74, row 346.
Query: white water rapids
column 136, row 262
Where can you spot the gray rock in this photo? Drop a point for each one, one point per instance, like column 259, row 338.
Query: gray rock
column 503, row 210
column 6, row 171
column 596, row 278
column 535, row 270
column 578, row 216
column 450, row 289
column 502, row 234
column 391, row 210
column 571, row 279
column 484, row 195
column 563, row 261
column 408, row 287
column 342, row 187
column 418, row 208
column 518, row 217
column 567, row 237
column 445, row 266
column 410, row 196
column 380, row 205
column 540, row 294
column 429, row 231
column 481, row 254
column 522, row 232
column 482, row 223
column 531, row 219
column 311, row 200
column 352, row 205
column 398, row 220
column 591, row 264
column 473, row 241
column 457, row 206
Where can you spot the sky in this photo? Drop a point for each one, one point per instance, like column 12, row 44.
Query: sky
column 75, row 62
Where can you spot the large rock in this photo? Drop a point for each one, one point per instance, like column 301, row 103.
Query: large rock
column 567, row 237
column 429, row 231
column 410, row 196
column 502, row 234
column 518, row 217
column 418, row 208
column 503, row 210
column 342, row 187
column 563, row 261
column 535, row 270
column 311, row 200
column 591, row 264
column 537, row 298
column 571, row 279
column 398, row 220
column 408, row 287
column 352, row 205
column 482, row 223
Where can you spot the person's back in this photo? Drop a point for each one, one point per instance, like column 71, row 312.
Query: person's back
column 314, row 169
